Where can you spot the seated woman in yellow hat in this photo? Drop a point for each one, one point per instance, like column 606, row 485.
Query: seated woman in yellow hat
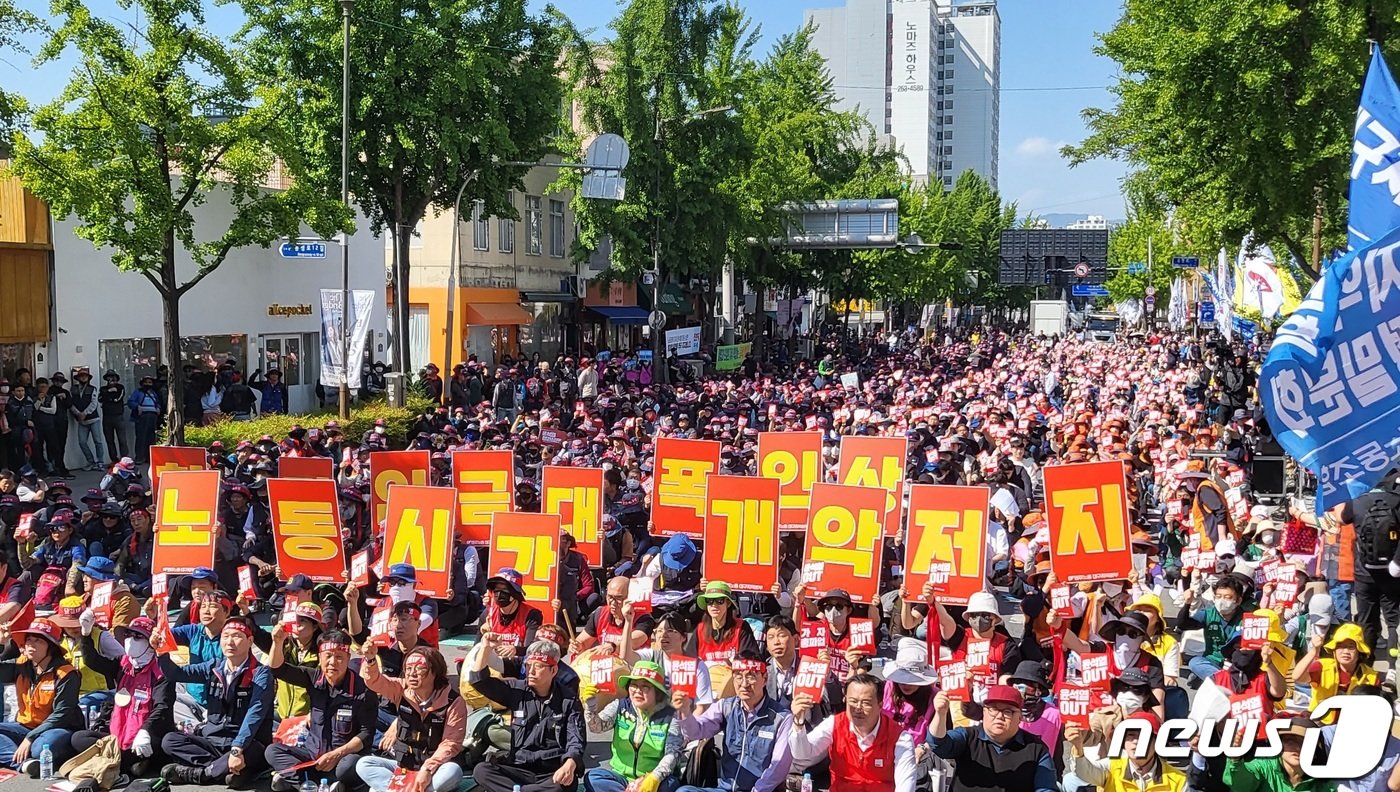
column 1342, row 671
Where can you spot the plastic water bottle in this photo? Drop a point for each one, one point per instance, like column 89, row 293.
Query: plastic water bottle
column 308, row 785
column 806, row 782
column 92, row 717
column 46, row 763
column 325, row 786
column 515, row 788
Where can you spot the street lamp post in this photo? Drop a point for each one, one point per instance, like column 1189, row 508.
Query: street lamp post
column 346, row 6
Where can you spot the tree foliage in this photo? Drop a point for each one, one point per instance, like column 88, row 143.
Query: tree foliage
column 1239, row 113
column 443, row 92
column 142, row 136
column 14, row 23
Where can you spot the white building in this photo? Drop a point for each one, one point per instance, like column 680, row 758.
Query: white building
column 1090, row 223
column 926, row 72
column 258, row 308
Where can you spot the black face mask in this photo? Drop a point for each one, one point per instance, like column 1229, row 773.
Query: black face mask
column 504, row 598
column 980, row 623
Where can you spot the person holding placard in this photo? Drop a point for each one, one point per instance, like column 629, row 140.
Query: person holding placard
column 996, row 753
column 203, row 638
column 721, row 634
column 866, row 747
column 646, row 744
column 668, row 642
column 1125, row 635
column 77, row 622
column 1345, row 670
column 430, row 723
column 980, row 644
column 1128, row 772
column 301, row 651
column 754, row 752
column 510, row 619
column 607, row 623
column 1221, row 620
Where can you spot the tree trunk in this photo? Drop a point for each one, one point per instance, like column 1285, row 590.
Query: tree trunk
column 402, row 240
column 170, row 344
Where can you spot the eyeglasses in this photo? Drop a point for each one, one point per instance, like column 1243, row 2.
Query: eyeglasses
column 1005, row 713
column 617, row 598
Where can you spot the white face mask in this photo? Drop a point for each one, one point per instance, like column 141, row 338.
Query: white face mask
column 138, row 651
column 1130, row 702
column 1113, row 589
column 1125, row 650
column 1226, row 607
column 403, row 592
column 379, row 430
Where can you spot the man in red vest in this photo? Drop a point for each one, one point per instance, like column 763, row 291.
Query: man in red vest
column 868, row 751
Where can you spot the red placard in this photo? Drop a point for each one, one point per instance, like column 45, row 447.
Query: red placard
column 187, row 512
column 1254, row 632
column 639, row 591
column 602, row 671
column 306, row 468
column 741, row 532
column 245, row 583
column 379, row 624
column 390, row 468
column 1061, row 601
column 1286, row 592
column 862, row 635
column 101, row 603
column 868, row 461
column 678, row 505
column 160, row 584
column 810, row 678
column 1093, row 671
column 954, row 679
column 485, row 485
column 1248, row 706
column 947, row 525
column 554, row 438
column 1075, row 703
column 681, row 672
column 1088, row 515
column 306, row 528
column 845, row 533
column 359, row 568
column 419, row 532
column 576, row 495
column 813, row 639
column 795, row 460
column 978, row 654
column 167, row 458
column 529, row 544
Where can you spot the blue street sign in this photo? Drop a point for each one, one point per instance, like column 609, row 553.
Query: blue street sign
column 1185, row 262
column 1207, row 312
column 303, row 250
column 1088, row 290
column 1048, row 279
column 1136, row 268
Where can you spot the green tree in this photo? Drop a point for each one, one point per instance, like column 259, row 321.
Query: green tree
column 142, row 136
column 444, row 92
column 14, row 23
column 1240, row 113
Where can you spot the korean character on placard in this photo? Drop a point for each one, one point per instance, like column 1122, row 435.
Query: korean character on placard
column 1094, row 671
column 602, row 672
column 681, row 671
column 1329, row 390
column 160, row 585
column 1363, row 368
column 1074, row 704
column 1060, row 600
column 814, row 638
column 953, row 679
column 1254, row 632
column 810, row 678
column 938, row 574
column 862, row 634
column 979, row 652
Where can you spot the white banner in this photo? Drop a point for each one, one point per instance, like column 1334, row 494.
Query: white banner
column 685, row 341
column 361, row 311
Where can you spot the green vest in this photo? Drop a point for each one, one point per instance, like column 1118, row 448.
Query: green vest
column 638, row 743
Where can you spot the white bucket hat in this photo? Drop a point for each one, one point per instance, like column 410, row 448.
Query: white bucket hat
column 910, row 666
column 983, row 602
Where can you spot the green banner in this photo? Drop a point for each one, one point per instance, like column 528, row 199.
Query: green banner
column 729, row 358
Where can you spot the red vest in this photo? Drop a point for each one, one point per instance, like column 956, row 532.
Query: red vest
column 428, row 635
column 607, row 631
column 853, row 769
column 712, row 651
column 996, row 650
column 515, row 629
column 836, row 652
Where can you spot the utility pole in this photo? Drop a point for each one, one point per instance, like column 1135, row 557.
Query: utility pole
column 346, row 6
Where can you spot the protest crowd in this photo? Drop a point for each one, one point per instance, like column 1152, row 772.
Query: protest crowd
column 903, row 563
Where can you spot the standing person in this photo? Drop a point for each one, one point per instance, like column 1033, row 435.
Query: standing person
column 19, row 417
column 1375, row 518
column 547, row 740
column 46, row 692
column 50, row 413
column 87, row 414
column 866, row 747
column 997, row 753
column 275, row 399
column 587, row 381
column 145, row 406
column 112, row 397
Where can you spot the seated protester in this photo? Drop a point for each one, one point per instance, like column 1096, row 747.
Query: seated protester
column 46, row 695
column 835, row 609
column 123, row 605
column 430, row 724
column 342, row 710
column 509, row 619
column 1128, row 772
column 204, row 638
column 983, row 618
column 568, row 678
column 189, row 590
column 230, row 747
column 646, row 743
column 1164, row 646
column 996, row 753
column 781, row 640
column 15, row 590
column 578, row 593
column 1253, row 672
column 909, row 688
column 867, row 748
column 722, row 633
column 400, row 584
column 547, row 741
column 107, row 531
column 1277, row 774
column 1127, row 634
column 245, row 520
column 304, row 651
column 76, row 624
column 667, row 642
column 55, row 559
column 123, row 476
column 142, row 705
column 1343, row 672
column 605, row 625
column 754, row 751
column 1221, row 620
column 405, row 620
column 1038, row 716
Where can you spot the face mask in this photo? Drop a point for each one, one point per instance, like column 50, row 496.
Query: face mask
column 1268, row 540
column 1113, row 589
column 1226, row 607
column 402, row 593
column 1125, row 649
column 980, row 623
column 1130, row 702
column 138, row 651
column 504, row 598
column 379, row 430
column 833, row 612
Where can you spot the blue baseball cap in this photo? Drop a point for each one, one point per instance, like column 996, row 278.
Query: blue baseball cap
column 404, row 572
column 204, row 573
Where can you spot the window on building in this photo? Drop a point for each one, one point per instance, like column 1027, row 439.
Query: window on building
column 481, row 226
column 947, row 151
column 534, row 226
column 207, row 352
column 948, row 74
column 948, row 105
column 947, row 181
column 556, row 229
column 131, row 358
column 507, row 244
column 947, row 119
column 297, row 356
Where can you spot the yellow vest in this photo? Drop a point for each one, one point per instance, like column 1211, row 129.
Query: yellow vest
column 1331, row 678
column 293, row 700
column 1172, row 780
column 92, row 681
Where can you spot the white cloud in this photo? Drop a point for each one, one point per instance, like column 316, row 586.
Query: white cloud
column 1038, row 147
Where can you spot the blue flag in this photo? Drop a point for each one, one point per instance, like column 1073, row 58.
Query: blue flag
column 1375, row 158
column 1329, row 381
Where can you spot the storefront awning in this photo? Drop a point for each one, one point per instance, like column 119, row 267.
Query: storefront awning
column 495, row 314
column 544, row 296
column 622, row 314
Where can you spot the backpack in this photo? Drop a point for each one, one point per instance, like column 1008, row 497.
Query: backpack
column 1377, row 530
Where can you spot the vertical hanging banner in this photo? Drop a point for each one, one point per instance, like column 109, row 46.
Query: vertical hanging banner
column 741, row 532
column 485, row 486
column 844, row 534
column 877, row 462
column 529, row 544
column 419, row 532
column 305, row 468
column 167, row 458
column 947, row 525
column 678, row 498
column 306, row 528
column 333, row 319
column 576, row 495
column 795, row 460
column 187, row 512
column 1088, row 515
column 389, row 468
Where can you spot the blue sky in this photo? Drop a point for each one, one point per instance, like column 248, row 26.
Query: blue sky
column 1046, row 44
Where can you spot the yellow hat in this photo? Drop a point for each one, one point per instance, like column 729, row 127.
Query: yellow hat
column 1276, row 633
column 1349, row 632
column 1148, row 600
